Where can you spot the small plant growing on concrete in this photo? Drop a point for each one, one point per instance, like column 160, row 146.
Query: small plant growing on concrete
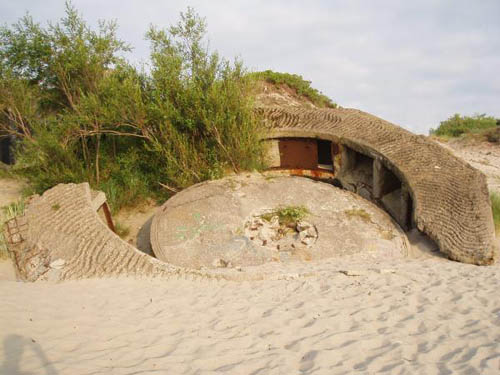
column 288, row 216
column 358, row 212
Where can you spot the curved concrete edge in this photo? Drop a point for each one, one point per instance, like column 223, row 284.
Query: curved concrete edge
column 463, row 234
column 158, row 244
column 61, row 237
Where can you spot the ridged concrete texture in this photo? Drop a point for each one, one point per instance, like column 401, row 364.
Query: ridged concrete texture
column 61, row 237
column 451, row 199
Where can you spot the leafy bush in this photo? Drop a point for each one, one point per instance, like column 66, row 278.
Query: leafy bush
column 81, row 112
column 458, row 125
column 493, row 136
column 204, row 123
column 296, row 82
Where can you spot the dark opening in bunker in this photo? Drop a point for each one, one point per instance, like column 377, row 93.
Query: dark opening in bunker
column 325, row 159
column 349, row 168
column 390, row 192
column 357, row 172
column 373, row 180
column 6, row 154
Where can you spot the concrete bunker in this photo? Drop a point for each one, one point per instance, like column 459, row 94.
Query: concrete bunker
column 240, row 222
column 60, row 236
column 373, row 179
column 356, row 171
column 440, row 194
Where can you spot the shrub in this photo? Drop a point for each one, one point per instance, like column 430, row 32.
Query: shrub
column 200, row 105
column 296, row 82
column 81, row 112
column 493, row 136
column 458, row 125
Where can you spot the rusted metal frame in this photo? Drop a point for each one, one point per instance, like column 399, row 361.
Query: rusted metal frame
column 13, row 229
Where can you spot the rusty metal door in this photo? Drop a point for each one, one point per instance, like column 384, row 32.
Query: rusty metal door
column 298, row 153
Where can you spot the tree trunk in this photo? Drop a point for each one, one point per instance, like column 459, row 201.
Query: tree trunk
column 97, row 150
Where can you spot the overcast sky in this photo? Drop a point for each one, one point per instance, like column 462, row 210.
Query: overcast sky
column 414, row 63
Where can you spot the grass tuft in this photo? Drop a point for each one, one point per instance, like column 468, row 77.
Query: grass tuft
column 299, row 84
column 121, row 230
column 358, row 212
column 288, row 215
column 495, row 207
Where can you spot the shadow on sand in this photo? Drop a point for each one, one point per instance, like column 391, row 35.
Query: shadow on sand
column 14, row 347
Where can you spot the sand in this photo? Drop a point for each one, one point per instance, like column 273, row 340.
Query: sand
column 427, row 316
column 482, row 155
column 10, row 191
column 355, row 315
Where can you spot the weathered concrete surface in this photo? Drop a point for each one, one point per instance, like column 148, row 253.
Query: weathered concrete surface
column 204, row 225
column 451, row 200
column 61, row 237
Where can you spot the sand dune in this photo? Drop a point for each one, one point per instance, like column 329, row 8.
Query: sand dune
column 428, row 316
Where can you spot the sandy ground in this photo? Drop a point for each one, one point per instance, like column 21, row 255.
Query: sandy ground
column 10, row 191
column 421, row 315
column 137, row 221
column 484, row 156
column 407, row 317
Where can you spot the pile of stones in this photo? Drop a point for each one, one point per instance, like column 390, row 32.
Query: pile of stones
column 278, row 236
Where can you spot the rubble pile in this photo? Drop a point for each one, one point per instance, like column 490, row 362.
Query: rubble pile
column 282, row 239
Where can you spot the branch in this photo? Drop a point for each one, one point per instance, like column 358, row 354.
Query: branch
column 219, row 141
column 168, row 187
column 114, row 132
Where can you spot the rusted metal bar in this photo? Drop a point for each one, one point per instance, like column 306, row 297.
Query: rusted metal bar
column 315, row 173
column 107, row 214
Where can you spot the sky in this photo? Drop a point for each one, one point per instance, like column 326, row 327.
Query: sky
column 413, row 63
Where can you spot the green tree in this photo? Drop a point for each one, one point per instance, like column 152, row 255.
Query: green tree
column 83, row 113
column 200, row 106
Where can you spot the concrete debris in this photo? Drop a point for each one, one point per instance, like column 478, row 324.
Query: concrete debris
column 303, row 226
column 280, row 237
